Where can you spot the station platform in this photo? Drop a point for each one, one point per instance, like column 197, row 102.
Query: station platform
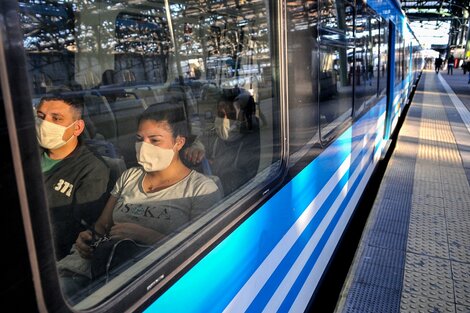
column 414, row 254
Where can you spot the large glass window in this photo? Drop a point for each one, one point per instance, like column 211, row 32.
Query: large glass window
column 337, row 67
column 302, row 31
column 336, row 15
column 399, row 46
column 383, row 63
column 367, row 58
column 336, row 88
column 210, row 64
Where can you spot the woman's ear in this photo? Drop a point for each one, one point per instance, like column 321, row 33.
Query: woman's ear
column 180, row 141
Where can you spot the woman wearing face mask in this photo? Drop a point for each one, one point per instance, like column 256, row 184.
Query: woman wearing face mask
column 235, row 153
column 161, row 195
column 76, row 181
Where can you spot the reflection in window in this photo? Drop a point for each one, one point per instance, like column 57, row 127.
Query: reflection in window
column 383, row 58
column 302, row 23
column 336, row 87
column 204, row 59
column 399, row 46
column 367, row 59
column 336, row 14
column 384, row 33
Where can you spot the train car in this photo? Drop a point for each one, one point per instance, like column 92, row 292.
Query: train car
column 318, row 86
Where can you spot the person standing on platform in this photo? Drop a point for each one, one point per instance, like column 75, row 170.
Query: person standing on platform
column 468, row 73
column 438, row 64
column 450, row 65
column 464, row 66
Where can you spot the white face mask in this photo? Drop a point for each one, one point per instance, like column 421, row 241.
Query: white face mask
column 227, row 129
column 153, row 158
column 50, row 135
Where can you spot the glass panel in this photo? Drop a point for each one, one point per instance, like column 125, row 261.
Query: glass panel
column 367, row 59
column 336, row 14
column 204, row 68
column 336, row 65
column 406, row 59
column 398, row 57
column 383, row 57
column 302, row 25
column 336, row 90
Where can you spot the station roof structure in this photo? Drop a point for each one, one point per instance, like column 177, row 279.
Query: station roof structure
column 452, row 13
column 437, row 10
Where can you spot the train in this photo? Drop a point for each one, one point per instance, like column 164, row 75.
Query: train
column 326, row 81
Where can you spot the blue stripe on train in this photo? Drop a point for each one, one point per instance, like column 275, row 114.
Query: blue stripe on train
column 307, row 235
column 295, row 289
column 280, row 273
column 212, row 283
column 268, row 289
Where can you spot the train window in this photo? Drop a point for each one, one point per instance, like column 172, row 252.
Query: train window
column 337, row 15
column 398, row 57
column 335, row 88
column 417, row 57
column 384, row 44
column 402, row 54
column 206, row 69
column 367, row 40
column 406, row 58
column 302, row 23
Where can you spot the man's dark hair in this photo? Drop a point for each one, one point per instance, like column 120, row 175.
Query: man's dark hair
column 75, row 102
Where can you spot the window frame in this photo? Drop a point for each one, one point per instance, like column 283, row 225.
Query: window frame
column 150, row 284
column 344, row 39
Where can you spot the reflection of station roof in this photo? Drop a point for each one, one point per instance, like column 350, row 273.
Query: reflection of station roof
column 438, row 10
column 455, row 13
column 49, row 26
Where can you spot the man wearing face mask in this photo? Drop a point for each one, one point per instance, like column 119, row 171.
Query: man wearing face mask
column 235, row 153
column 76, row 181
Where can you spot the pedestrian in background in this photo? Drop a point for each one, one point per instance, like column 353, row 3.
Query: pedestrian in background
column 438, row 64
column 450, row 65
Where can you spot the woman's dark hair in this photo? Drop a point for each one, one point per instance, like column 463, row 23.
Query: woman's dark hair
column 108, row 77
column 226, row 105
column 175, row 117
column 241, row 100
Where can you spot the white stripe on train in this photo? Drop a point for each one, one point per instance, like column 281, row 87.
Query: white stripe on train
column 248, row 292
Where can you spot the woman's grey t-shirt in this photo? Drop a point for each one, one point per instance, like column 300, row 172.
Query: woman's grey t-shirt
column 165, row 210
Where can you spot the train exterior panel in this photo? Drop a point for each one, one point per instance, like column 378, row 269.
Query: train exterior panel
column 276, row 258
column 324, row 83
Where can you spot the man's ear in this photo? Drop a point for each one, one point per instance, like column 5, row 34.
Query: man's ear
column 79, row 127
